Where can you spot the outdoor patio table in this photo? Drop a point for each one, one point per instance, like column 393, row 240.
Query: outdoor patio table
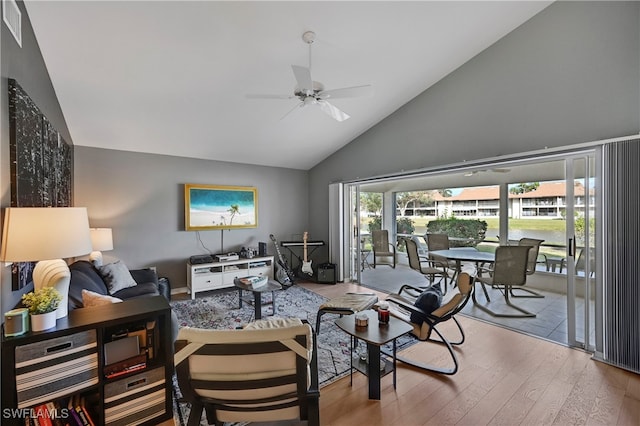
column 460, row 255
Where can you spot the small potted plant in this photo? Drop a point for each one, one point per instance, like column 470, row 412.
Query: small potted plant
column 42, row 305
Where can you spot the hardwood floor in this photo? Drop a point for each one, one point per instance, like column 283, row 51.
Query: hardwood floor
column 505, row 378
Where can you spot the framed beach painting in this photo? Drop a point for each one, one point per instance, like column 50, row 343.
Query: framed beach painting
column 220, row 207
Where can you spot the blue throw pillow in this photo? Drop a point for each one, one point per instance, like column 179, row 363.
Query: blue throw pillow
column 429, row 300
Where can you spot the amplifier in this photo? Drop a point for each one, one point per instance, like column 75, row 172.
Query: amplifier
column 200, row 259
column 327, row 273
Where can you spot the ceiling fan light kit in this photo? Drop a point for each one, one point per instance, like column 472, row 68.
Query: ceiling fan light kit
column 313, row 93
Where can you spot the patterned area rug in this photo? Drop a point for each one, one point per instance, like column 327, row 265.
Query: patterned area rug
column 220, row 311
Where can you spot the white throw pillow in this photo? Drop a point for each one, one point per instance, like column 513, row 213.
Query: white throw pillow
column 91, row 298
column 116, row 276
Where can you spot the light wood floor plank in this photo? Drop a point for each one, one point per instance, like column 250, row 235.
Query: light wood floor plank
column 505, row 378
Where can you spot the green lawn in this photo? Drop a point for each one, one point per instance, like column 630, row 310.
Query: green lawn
column 420, row 224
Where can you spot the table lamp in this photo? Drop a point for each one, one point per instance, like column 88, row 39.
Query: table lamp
column 101, row 240
column 46, row 235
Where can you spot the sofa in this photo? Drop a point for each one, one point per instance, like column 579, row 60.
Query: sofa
column 85, row 276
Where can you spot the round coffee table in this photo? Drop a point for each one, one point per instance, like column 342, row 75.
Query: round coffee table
column 271, row 286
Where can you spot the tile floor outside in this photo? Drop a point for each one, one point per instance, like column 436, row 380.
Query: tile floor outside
column 551, row 311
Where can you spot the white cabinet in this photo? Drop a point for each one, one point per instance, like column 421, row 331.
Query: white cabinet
column 216, row 275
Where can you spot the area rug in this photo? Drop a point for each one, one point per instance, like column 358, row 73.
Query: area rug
column 220, row 311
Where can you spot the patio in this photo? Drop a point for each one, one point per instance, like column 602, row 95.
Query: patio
column 550, row 322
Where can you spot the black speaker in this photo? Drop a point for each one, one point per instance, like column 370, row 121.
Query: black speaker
column 262, row 249
column 327, row 273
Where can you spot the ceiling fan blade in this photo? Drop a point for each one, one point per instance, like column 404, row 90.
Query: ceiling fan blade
column 303, row 78
column 267, row 96
column 347, row 92
column 293, row 111
column 332, row 111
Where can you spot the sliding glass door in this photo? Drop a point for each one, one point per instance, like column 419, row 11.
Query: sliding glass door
column 582, row 270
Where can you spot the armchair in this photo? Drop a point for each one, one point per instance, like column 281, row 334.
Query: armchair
column 265, row 372
column 403, row 307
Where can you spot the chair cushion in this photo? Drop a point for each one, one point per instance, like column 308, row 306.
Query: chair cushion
column 429, row 300
column 355, row 302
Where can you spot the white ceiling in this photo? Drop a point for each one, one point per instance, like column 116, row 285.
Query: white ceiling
column 170, row 77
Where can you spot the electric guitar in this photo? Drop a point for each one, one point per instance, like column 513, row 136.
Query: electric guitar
column 284, row 274
column 306, row 264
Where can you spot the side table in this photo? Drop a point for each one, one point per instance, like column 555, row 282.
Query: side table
column 375, row 335
column 271, row 286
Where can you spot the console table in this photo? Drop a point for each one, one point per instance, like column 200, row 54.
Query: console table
column 217, row 275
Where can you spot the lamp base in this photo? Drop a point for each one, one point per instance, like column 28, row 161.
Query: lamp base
column 54, row 273
column 95, row 257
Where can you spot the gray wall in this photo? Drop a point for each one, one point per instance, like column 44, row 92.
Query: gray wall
column 141, row 197
column 569, row 75
column 27, row 67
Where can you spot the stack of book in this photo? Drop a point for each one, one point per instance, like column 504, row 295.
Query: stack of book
column 254, row 281
column 65, row 412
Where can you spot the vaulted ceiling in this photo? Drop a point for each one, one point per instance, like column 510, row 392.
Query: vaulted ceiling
column 171, row 77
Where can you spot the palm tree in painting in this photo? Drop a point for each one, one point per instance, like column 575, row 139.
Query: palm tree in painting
column 234, row 210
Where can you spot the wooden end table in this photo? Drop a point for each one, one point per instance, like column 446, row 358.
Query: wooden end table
column 375, row 335
column 271, row 286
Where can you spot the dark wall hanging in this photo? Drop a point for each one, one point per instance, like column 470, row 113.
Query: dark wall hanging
column 41, row 165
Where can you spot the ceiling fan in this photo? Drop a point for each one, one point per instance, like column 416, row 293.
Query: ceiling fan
column 474, row 172
column 313, row 93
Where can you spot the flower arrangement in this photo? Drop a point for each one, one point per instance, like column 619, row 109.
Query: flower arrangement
column 42, row 301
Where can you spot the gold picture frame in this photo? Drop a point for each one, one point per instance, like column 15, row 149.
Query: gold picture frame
column 208, row 207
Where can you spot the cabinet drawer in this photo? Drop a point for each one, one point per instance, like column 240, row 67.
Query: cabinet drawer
column 204, row 282
column 55, row 367
column 135, row 399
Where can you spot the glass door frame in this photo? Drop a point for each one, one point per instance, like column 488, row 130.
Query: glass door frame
column 588, row 319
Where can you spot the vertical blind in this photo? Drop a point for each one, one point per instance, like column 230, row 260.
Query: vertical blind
column 622, row 254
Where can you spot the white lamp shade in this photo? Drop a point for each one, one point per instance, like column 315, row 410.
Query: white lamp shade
column 101, row 239
column 44, row 233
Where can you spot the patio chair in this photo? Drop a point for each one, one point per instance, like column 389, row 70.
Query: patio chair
column 403, row 306
column 581, row 261
column 509, row 272
column 440, row 242
column 423, row 264
column 532, row 262
column 265, row 372
column 382, row 247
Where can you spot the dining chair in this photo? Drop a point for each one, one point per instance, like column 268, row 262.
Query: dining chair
column 423, row 264
column 509, row 272
column 440, row 242
column 403, row 306
column 382, row 247
column 532, row 262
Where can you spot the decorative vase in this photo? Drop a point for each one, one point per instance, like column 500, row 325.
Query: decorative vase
column 43, row 322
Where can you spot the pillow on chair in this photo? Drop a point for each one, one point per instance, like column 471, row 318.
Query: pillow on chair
column 429, row 300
